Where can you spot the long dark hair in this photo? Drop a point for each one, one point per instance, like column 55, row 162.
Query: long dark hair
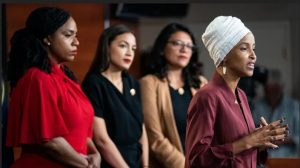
column 102, row 59
column 156, row 62
column 27, row 47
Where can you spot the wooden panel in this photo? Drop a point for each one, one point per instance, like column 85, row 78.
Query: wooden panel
column 283, row 163
column 89, row 18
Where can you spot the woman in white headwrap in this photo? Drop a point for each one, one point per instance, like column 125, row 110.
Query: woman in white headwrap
column 220, row 130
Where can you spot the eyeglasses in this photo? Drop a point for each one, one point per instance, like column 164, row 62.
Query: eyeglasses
column 181, row 44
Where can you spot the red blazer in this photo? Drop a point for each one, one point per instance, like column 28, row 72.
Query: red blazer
column 214, row 121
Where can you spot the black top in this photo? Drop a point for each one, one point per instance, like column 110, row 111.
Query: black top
column 180, row 105
column 122, row 113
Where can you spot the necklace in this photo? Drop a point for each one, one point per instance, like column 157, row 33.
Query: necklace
column 181, row 91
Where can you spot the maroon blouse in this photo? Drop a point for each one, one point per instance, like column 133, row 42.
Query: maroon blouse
column 215, row 120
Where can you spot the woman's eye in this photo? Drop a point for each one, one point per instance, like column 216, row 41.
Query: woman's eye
column 68, row 35
column 122, row 45
column 177, row 43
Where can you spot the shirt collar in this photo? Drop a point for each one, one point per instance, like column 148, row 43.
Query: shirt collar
column 218, row 80
column 57, row 69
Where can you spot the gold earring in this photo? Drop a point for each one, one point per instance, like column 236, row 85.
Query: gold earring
column 224, row 70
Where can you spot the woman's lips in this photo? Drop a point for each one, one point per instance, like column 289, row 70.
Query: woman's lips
column 251, row 65
column 127, row 61
column 74, row 52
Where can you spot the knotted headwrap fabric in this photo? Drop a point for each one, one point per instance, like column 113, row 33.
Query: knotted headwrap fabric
column 46, row 20
column 221, row 35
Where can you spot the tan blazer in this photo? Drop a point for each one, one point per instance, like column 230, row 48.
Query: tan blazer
column 165, row 148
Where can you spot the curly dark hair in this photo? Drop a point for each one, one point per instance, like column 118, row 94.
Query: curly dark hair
column 156, row 63
column 27, row 47
column 102, row 59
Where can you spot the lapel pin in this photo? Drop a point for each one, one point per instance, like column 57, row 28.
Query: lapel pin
column 132, row 92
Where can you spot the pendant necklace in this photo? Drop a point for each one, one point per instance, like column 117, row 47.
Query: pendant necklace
column 181, row 91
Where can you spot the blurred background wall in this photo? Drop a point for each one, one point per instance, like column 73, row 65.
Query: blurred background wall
column 276, row 26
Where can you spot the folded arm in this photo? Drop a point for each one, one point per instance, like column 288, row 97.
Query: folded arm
column 60, row 150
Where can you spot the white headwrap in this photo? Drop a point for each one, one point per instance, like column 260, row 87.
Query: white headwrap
column 221, row 35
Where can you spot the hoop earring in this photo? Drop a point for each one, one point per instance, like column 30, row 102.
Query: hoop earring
column 224, row 70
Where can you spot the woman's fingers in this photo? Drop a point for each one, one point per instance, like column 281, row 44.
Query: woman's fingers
column 270, row 145
column 263, row 121
column 269, row 135
column 279, row 131
column 279, row 137
column 276, row 134
column 275, row 124
column 83, row 155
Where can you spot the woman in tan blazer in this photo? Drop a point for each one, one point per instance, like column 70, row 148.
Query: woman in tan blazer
column 174, row 76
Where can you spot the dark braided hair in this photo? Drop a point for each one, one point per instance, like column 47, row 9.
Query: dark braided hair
column 27, row 48
column 157, row 64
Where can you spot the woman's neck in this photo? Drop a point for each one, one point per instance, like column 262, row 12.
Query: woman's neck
column 175, row 79
column 53, row 61
column 115, row 77
column 231, row 80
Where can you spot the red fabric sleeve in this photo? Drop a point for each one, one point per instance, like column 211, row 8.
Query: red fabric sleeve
column 35, row 111
column 90, row 131
column 200, row 132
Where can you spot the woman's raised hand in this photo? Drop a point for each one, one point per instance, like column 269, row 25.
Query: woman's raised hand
column 266, row 136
